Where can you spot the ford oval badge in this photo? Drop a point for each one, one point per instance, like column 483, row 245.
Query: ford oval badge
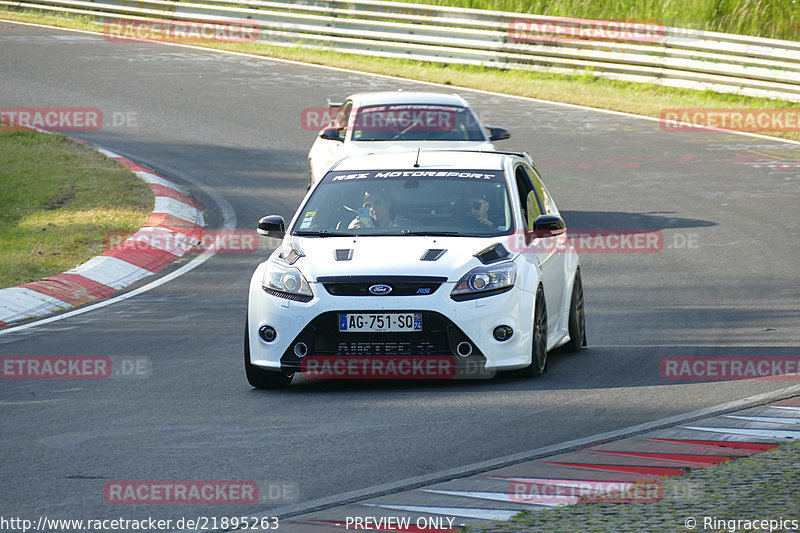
column 380, row 289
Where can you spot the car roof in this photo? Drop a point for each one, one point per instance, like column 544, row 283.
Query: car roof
column 428, row 159
column 406, row 97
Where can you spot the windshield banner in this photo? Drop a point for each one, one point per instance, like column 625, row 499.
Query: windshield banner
column 480, row 175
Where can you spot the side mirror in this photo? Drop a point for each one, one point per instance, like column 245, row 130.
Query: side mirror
column 498, row 134
column 332, row 134
column 272, row 226
column 549, row 226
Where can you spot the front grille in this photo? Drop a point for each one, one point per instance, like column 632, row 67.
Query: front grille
column 439, row 336
column 401, row 285
column 432, row 340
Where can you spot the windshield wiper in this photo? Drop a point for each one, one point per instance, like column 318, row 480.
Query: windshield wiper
column 323, row 233
column 424, row 233
column 356, row 233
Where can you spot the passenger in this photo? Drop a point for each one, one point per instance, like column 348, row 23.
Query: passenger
column 478, row 208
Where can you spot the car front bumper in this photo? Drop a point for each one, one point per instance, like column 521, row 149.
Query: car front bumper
column 446, row 324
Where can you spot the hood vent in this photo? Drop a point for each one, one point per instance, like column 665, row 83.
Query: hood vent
column 344, row 254
column 433, row 254
column 493, row 254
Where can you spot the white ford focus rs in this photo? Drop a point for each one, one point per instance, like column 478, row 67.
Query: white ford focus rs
column 415, row 265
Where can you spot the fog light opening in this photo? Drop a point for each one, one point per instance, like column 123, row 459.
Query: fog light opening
column 464, row 349
column 300, row 349
column 267, row 333
column 503, row 333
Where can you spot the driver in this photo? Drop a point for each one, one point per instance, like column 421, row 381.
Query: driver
column 381, row 214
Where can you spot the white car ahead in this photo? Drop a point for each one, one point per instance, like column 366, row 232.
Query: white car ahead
column 415, row 265
column 399, row 121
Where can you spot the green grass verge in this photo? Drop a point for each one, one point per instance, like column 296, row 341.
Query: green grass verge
column 776, row 19
column 58, row 200
column 586, row 89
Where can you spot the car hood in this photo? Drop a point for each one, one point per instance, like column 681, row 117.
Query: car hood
column 390, row 256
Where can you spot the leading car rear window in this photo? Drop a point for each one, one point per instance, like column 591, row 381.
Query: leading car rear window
column 416, row 122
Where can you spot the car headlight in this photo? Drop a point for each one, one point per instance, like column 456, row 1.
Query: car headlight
column 286, row 282
column 485, row 281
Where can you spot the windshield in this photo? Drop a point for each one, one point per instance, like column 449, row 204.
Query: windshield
column 403, row 202
column 416, row 122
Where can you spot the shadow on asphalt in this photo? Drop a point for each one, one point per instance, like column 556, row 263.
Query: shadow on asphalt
column 563, row 369
column 607, row 220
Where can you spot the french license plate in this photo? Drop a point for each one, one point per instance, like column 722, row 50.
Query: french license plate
column 383, row 322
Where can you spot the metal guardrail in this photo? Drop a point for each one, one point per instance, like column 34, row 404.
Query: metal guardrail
column 642, row 52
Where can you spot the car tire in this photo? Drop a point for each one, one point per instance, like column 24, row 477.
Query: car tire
column 577, row 317
column 539, row 343
column 260, row 378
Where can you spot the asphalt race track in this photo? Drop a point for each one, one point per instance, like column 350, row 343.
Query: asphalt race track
column 228, row 128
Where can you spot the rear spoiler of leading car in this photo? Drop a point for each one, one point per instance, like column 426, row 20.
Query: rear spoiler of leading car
column 526, row 155
column 333, row 104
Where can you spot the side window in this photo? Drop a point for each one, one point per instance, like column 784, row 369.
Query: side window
column 343, row 115
column 531, row 207
column 541, row 192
